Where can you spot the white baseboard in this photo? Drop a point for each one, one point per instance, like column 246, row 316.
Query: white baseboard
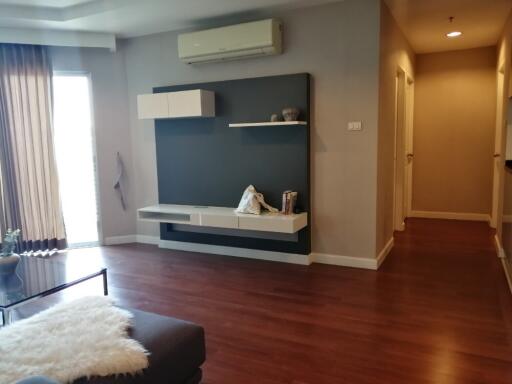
column 292, row 258
column 130, row 239
column 507, row 219
column 499, row 249
column 354, row 262
column 451, row 216
column 508, row 272
column 345, row 261
column 117, row 240
column 145, row 239
column 507, row 268
column 385, row 251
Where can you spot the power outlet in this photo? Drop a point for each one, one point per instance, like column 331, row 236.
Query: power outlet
column 355, row 126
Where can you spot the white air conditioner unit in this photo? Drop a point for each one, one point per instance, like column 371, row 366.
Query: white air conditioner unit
column 257, row 38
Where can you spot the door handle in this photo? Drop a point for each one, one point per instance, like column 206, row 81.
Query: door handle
column 410, row 155
column 496, row 155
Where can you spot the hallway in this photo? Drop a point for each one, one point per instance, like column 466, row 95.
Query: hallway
column 452, row 285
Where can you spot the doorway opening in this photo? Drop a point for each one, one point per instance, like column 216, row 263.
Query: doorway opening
column 403, row 153
column 76, row 160
column 498, row 172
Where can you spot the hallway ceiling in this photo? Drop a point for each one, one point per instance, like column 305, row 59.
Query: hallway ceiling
column 129, row 18
column 425, row 22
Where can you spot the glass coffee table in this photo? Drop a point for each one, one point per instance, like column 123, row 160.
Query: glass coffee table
column 37, row 277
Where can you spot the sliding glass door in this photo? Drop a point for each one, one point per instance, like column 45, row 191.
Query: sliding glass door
column 74, row 147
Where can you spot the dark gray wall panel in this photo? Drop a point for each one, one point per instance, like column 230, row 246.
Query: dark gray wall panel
column 205, row 162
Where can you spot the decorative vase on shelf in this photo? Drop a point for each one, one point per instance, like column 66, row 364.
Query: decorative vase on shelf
column 8, row 259
column 8, row 264
column 290, row 114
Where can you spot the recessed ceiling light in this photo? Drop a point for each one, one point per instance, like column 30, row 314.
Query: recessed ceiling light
column 454, row 34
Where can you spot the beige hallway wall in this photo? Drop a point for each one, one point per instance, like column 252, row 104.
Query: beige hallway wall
column 504, row 178
column 454, row 124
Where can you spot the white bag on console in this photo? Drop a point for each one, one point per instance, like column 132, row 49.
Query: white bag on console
column 252, row 201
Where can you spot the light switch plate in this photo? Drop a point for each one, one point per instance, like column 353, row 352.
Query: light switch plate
column 355, row 126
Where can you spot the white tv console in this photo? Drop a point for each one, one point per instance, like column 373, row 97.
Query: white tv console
column 222, row 217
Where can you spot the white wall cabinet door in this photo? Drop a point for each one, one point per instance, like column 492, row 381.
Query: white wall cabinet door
column 153, row 106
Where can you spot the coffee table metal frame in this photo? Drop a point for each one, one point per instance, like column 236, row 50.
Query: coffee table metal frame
column 7, row 310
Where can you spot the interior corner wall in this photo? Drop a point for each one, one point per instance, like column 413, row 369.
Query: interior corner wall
column 395, row 53
column 504, row 220
column 454, row 129
column 110, row 110
column 338, row 44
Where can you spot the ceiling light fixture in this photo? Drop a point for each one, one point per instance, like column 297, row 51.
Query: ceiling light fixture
column 453, row 34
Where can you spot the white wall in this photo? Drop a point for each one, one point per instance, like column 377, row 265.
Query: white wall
column 339, row 45
column 112, row 130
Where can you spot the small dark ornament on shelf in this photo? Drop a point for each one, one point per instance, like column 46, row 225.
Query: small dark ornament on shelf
column 290, row 114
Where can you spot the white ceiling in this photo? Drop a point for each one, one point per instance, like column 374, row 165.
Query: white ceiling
column 128, row 18
column 425, row 22
column 47, row 3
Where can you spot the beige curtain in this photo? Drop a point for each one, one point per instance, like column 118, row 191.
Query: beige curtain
column 29, row 197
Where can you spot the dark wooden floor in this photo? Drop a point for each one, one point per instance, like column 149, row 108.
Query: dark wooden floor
column 438, row 311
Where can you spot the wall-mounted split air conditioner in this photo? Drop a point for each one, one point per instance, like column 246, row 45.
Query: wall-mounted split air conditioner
column 258, row 38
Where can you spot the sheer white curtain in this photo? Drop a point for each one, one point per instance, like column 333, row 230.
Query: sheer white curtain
column 29, row 197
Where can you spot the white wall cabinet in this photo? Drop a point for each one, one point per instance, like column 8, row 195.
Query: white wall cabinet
column 175, row 105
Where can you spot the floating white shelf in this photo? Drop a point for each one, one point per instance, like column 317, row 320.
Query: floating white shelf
column 222, row 217
column 268, row 124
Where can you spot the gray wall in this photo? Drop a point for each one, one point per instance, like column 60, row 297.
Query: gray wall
column 110, row 103
column 339, row 45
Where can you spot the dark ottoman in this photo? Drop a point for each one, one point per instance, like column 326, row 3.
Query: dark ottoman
column 177, row 351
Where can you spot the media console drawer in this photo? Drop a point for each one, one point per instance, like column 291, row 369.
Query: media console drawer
column 273, row 222
column 219, row 221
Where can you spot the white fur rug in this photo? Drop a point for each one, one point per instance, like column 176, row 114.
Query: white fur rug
column 85, row 337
